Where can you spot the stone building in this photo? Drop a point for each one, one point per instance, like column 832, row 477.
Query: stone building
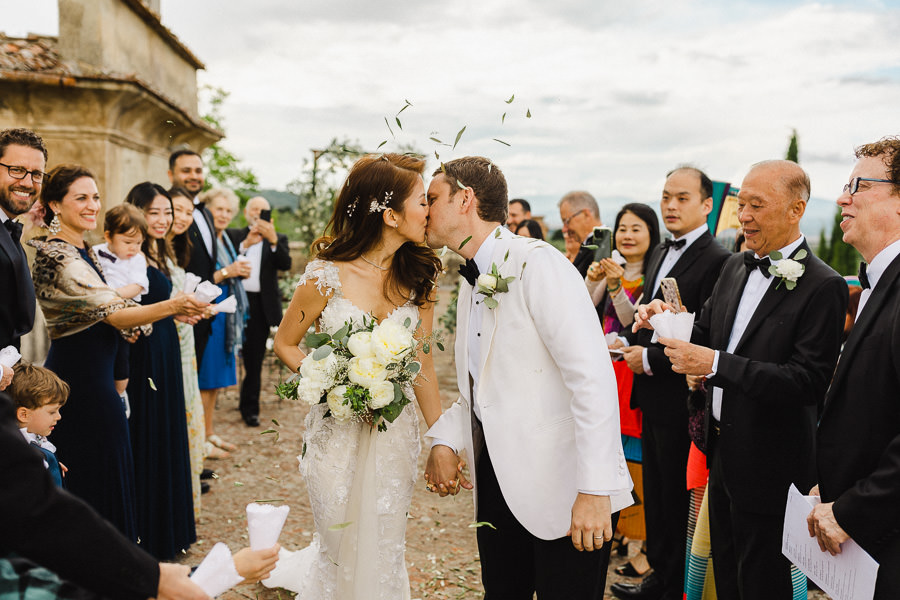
column 116, row 91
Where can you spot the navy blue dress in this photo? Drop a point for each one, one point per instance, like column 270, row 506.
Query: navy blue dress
column 159, row 437
column 92, row 437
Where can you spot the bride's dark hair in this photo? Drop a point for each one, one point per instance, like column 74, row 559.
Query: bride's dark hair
column 383, row 181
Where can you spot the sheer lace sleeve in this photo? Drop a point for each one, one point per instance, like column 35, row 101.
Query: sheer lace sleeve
column 324, row 274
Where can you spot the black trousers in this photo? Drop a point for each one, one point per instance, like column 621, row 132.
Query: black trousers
column 746, row 547
column 664, row 454
column 256, row 333
column 515, row 564
column 202, row 331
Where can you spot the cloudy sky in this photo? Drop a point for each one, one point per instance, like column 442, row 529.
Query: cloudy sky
column 619, row 92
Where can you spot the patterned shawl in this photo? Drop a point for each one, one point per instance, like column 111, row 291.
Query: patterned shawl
column 72, row 294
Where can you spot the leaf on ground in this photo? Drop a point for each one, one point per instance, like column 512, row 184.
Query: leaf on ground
column 277, row 424
column 458, row 136
column 238, row 484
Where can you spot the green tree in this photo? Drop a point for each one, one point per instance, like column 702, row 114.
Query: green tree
column 792, row 151
column 222, row 167
column 842, row 257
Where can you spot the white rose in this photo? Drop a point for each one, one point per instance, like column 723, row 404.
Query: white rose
column 339, row 410
column 487, row 282
column 382, row 394
column 790, row 269
column 309, row 390
column 366, row 371
column 360, row 344
column 391, row 341
column 318, row 370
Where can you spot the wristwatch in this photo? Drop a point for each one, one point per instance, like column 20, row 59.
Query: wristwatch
column 224, row 273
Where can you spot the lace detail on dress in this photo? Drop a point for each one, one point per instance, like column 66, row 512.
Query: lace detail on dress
column 359, row 478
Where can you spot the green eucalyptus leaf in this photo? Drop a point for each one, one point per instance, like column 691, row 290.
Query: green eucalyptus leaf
column 440, row 346
column 506, row 256
column 322, row 352
column 407, row 322
column 413, row 368
column 314, row 340
column 801, row 254
column 398, row 122
column 775, row 255
column 511, row 98
column 491, row 303
column 502, row 142
column 381, row 144
column 342, row 332
column 426, row 347
column 458, row 136
column 773, row 270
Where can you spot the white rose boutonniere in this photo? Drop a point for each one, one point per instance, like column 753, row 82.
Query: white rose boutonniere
column 789, row 270
column 491, row 284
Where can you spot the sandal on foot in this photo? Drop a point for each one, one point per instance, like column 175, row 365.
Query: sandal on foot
column 214, row 452
column 220, row 443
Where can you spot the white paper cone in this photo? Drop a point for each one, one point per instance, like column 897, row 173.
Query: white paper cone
column 228, row 305
column 217, row 573
column 618, row 258
column 9, row 356
column 191, row 281
column 673, row 325
column 207, row 291
column 292, row 568
column 264, row 523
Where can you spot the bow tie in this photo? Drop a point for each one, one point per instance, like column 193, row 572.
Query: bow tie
column 14, row 228
column 751, row 262
column 678, row 245
column 108, row 256
column 470, row 271
column 863, row 278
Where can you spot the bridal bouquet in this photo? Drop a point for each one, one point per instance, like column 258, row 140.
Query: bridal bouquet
column 359, row 371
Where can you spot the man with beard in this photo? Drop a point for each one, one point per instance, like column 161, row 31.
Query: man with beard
column 23, row 158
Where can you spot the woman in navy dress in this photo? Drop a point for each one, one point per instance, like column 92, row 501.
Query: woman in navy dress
column 159, row 438
column 86, row 321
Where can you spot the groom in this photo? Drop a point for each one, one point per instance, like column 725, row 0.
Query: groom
column 538, row 412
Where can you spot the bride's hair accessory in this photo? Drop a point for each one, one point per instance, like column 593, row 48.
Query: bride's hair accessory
column 377, row 206
column 352, row 208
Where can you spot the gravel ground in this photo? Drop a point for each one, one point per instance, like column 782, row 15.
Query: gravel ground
column 442, row 556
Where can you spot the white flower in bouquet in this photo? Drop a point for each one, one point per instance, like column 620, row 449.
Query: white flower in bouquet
column 382, row 394
column 339, row 410
column 487, row 282
column 391, row 341
column 309, row 390
column 366, row 371
column 360, row 344
column 326, row 371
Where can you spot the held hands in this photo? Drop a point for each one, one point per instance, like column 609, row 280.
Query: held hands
column 687, row 358
column 591, row 522
column 645, row 311
column 188, row 309
column 443, row 472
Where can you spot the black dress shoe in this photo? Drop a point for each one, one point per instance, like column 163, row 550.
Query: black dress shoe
column 251, row 420
column 651, row 588
column 204, row 487
column 207, row 474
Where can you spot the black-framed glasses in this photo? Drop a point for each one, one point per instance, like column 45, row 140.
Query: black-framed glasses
column 20, row 172
column 853, row 186
column 565, row 222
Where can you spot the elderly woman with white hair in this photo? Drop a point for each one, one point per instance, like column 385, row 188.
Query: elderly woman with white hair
column 218, row 367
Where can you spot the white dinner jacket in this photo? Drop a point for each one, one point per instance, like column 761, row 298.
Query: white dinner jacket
column 546, row 392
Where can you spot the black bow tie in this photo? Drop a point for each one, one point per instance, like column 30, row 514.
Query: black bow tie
column 751, row 262
column 863, row 278
column 470, row 271
column 108, row 256
column 678, row 245
column 14, row 228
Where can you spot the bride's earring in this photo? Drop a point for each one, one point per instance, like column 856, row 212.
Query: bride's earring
column 54, row 226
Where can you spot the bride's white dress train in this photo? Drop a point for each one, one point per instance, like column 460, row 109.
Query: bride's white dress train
column 360, row 484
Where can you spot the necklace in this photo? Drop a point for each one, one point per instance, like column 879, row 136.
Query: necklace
column 373, row 264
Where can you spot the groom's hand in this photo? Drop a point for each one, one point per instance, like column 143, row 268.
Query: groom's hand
column 443, row 471
column 591, row 522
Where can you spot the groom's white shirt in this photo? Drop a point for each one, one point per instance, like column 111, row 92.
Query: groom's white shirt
column 544, row 390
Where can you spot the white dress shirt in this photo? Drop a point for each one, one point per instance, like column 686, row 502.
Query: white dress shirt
column 254, row 256
column 120, row 272
column 757, row 285
column 203, row 226
column 875, row 270
column 476, row 310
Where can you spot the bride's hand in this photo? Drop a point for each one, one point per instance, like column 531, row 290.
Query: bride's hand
column 443, row 472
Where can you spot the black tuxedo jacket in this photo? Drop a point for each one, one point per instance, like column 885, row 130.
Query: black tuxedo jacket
column 859, row 433
column 16, row 290
column 270, row 264
column 202, row 263
column 58, row 531
column 585, row 256
column 774, row 382
column 662, row 397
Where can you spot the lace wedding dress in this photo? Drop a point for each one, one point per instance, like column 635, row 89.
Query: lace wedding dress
column 360, row 484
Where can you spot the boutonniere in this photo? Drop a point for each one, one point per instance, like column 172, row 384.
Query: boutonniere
column 491, row 284
column 788, row 270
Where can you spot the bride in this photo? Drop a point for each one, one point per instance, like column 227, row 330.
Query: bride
column 372, row 263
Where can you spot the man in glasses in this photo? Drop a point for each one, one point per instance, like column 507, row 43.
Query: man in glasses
column 580, row 214
column 858, row 439
column 23, row 158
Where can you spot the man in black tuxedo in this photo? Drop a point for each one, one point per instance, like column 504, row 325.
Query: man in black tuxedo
column 859, row 432
column 23, row 158
column 694, row 259
column 580, row 214
column 186, row 170
column 766, row 341
column 46, row 526
column 268, row 253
